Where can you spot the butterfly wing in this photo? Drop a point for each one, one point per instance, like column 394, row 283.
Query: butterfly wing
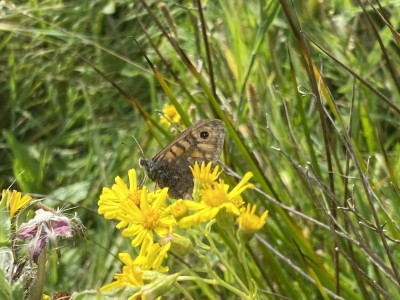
column 170, row 168
column 202, row 142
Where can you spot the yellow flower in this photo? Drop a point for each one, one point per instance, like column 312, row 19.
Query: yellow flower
column 14, row 201
column 112, row 199
column 214, row 198
column 249, row 221
column 147, row 218
column 203, row 175
column 242, row 185
column 177, row 209
column 131, row 276
column 151, row 258
column 134, row 270
column 169, row 114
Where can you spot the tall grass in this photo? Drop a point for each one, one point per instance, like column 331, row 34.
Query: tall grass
column 309, row 93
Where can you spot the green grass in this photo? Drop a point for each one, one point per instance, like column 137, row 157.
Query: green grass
column 310, row 98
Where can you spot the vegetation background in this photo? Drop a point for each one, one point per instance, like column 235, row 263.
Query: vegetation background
column 309, row 92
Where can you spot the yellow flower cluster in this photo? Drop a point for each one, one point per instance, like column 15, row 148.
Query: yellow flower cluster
column 151, row 222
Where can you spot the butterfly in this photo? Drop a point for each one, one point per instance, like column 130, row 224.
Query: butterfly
column 202, row 142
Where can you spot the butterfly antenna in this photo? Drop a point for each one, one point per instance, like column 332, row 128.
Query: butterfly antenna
column 141, row 182
column 137, row 143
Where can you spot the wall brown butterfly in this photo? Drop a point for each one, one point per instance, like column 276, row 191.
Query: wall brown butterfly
column 202, row 142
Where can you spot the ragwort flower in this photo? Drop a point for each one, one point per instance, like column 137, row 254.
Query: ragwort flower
column 148, row 218
column 213, row 199
column 131, row 276
column 134, row 270
column 151, row 258
column 169, row 114
column 203, row 174
column 178, row 209
column 249, row 222
column 14, row 201
column 111, row 199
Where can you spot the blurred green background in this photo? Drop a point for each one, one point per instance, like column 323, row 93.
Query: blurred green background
column 310, row 88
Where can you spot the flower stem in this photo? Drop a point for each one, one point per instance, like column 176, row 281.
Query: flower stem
column 41, row 270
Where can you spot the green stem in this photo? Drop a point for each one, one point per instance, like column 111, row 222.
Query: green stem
column 41, row 270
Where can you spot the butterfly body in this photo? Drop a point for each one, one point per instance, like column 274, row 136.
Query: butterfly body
column 202, row 142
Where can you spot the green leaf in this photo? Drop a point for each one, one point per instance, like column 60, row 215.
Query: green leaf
column 26, row 168
column 5, row 226
column 18, row 290
column 5, row 288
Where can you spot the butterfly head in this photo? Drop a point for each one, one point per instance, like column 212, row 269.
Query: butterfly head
column 145, row 163
column 151, row 168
